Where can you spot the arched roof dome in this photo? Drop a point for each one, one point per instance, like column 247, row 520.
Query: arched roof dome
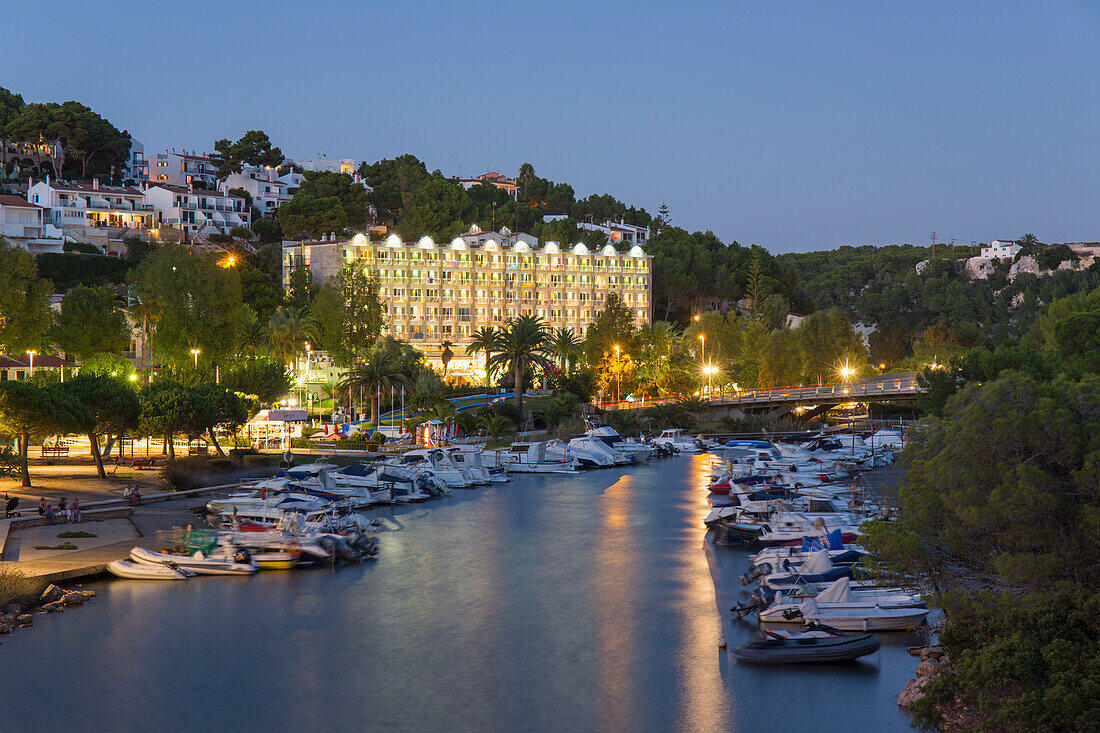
column 551, row 248
column 580, row 249
column 458, row 243
column 637, row 251
column 360, row 238
column 393, row 241
column 426, row 243
column 609, row 250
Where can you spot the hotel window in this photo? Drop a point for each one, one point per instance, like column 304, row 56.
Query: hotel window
column 433, row 294
column 399, row 292
column 415, row 292
column 448, row 312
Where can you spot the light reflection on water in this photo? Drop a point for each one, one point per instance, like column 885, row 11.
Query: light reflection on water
column 554, row 603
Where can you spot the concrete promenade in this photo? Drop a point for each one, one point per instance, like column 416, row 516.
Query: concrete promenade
column 105, row 513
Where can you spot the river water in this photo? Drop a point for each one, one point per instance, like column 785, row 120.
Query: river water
column 551, row 603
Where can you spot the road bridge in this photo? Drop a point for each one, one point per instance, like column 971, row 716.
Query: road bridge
column 779, row 400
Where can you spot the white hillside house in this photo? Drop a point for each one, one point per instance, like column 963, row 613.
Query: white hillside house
column 197, row 211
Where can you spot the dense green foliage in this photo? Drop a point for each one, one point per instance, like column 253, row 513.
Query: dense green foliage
column 24, row 301
column 252, row 148
column 941, row 309
column 92, row 145
column 1000, row 514
column 91, row 321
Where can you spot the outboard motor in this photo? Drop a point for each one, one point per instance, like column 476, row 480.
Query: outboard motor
column 243, row 556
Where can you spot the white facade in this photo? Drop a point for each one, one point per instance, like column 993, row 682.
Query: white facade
column 620, row 232
column 90, row 205
column 22, row 223
column 197, row 212
column 1000, row 249
column 137, row 168
column 182, row 169
column 267, row 190
column 324, row 163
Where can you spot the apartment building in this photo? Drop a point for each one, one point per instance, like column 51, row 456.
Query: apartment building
column 90, row 206
column 437, row 292
column 508, row 185
column 137, row 167
column 619, row 232
column 183, row 169
column 263, row 184
column 324, row 163
column 199, row 212
column 23, row 224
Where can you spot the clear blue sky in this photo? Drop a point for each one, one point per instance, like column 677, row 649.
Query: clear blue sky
column 793, row 125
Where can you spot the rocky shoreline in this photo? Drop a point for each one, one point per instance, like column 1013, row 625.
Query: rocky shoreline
column 933, row 660
column 53, row 599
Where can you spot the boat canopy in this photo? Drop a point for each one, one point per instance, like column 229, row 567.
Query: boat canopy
column 817, row 563
column 839, row 592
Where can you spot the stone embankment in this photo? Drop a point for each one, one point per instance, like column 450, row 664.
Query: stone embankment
column 933, row 660
column 19, row 613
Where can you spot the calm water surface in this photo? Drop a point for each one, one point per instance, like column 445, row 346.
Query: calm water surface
column 551, row 603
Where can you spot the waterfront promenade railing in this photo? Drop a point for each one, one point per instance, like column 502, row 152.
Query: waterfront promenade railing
column 877, row 389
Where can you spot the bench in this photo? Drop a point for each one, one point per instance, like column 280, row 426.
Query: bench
column 55, row 451
column 137, row 463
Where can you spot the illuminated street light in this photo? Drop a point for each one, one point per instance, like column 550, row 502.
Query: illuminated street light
column 618, row 369
column 133, row 377
column 32, row 353
column 195, row 353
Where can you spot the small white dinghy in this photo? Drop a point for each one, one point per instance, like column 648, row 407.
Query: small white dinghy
column 197, row 563
column 141, row 571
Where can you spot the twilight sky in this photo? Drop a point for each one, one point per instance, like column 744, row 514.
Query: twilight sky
column 793, row 125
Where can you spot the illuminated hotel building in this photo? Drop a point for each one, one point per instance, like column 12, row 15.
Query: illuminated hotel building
column 437, row 292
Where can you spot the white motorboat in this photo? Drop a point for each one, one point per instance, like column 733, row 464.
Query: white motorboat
column 140, row 571
column 676, row 440
column 468, row 457
column 840, row 599
column 585, row 455
column 438, row 462
column 634, row 450
column 595, row 446
column 529, row 458
column 198, row 563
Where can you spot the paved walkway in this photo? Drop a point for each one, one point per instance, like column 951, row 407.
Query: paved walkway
column 76, row 476
column 92, row 559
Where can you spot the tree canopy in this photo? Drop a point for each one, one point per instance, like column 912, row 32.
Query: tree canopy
column 24, row 301
column 91, row 321
column 252, row 148
column 194, row 304
column 92, row 145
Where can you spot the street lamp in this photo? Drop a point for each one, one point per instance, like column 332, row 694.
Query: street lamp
column 710, row 370
column 32, row 353
column 617, row 371
column 195, row 353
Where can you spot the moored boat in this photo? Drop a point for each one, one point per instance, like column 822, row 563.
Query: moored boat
column 140, row 571
column 198, row 563
column 813, row 646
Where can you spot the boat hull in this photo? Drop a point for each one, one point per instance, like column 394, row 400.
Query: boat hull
column 806, row 651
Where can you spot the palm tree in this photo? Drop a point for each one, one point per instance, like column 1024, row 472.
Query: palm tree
column 521, row 346
column 252, row 337
column 288, row 332
column 484, row 340
column 377, row 370
column 565, row 346
column 446, row 355
column 495, row 425
column 1028, row 240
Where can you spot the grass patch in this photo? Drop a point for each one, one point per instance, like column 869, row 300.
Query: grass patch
column 14, row 585
column 77, row 535
column 62, row 546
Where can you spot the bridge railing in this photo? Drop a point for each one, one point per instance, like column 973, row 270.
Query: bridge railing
column 829, row 392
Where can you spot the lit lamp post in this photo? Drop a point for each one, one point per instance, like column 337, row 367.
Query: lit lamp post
column 32, row 353
column 618, row 369
column 710, row 370
column 195, row 353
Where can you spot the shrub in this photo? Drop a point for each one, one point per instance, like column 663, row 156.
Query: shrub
column 261, row 459
column 15, row 585
column 62, row 546
column 193, row 472
column 75, row 535
column 238, row 454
